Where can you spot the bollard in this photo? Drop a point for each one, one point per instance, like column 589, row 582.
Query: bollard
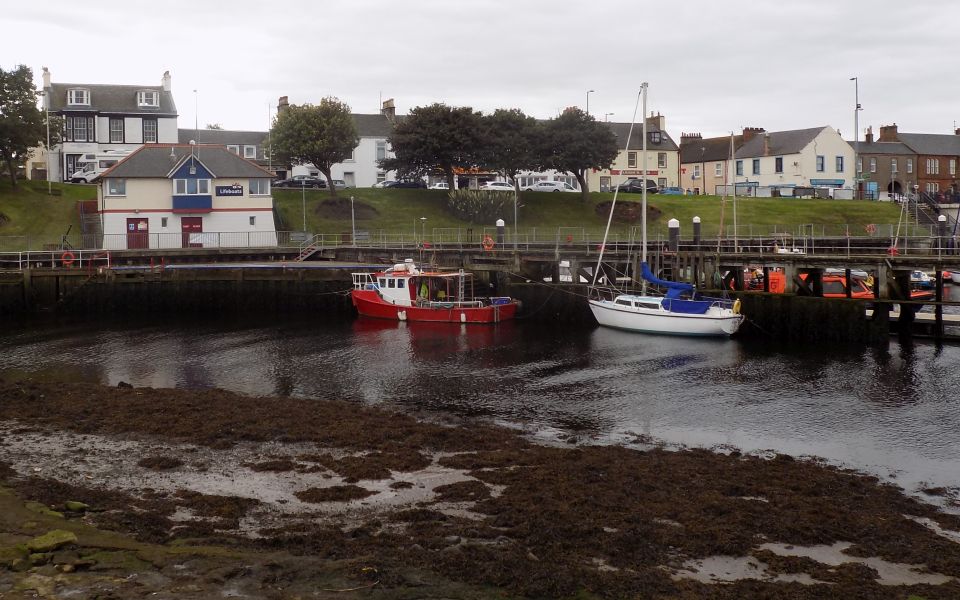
column 500, row 229
column 696, row 232
column 673, row 226
column 941, row 231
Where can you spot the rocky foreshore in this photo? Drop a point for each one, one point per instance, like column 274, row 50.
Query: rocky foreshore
column 137, row 492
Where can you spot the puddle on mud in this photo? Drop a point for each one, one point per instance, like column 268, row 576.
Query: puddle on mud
column 112, row 463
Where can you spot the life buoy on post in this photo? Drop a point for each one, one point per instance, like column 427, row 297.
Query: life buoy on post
column 67, row 258
column 487, row 243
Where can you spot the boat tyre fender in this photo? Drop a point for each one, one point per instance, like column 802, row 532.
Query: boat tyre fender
column 736, row 306
column 487, row 243
column 67, row 258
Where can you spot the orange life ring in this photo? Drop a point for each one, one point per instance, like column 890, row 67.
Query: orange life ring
column 487, row 243
column 67, row 258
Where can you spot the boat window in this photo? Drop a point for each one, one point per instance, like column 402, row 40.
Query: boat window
column 401, row 283
column 650, row 305
column 383, row 282
column 624, row 302
column 833, row 287
column 391, row 283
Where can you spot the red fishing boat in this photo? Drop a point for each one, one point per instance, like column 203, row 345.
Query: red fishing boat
column 405, row 293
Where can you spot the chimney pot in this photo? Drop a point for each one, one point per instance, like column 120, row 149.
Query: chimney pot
column 166, row 81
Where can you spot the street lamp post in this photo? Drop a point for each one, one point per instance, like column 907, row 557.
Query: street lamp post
column 303, row 201
column 423, row 223
column 353, row 224
column 46, row 112
column 588, row 100
column 856, row 136
column 605, row 115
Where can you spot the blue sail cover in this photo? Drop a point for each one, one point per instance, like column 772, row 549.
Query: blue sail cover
column 675, row 289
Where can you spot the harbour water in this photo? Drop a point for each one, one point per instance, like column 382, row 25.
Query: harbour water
column 892, row 410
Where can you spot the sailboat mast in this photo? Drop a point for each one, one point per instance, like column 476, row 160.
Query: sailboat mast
column 643, row 179
column 735, row 249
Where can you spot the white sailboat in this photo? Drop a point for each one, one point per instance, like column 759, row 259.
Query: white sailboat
column 680, row 311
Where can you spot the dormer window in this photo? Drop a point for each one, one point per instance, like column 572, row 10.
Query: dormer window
column 78, row 96
column 655, row 137
column 148, row 98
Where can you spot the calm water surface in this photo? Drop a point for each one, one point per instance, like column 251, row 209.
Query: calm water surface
column 892, row 410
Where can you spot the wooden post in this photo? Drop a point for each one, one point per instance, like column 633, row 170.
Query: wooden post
column 938, row 307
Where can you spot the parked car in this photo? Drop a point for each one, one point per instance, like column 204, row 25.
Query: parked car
column 381, row 184
column 672, row 191
column 497, row 186
column 403, row 183
column 635, row 186
column 550, row 186
column 339, row 184
column 440, row 185
column 308, row 181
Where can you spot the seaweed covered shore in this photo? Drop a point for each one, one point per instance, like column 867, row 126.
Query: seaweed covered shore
column 132, row 492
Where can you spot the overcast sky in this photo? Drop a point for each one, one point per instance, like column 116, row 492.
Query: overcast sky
column 713, row 66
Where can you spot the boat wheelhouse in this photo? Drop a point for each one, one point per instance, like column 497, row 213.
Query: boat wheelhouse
column 405, row 293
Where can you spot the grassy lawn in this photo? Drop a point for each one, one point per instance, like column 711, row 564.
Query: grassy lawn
column 401, row 210
column 30, row 211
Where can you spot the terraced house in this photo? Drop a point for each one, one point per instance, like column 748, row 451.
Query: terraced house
column 98, row 117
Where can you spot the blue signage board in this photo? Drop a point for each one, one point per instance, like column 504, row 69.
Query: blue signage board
column 230, row 190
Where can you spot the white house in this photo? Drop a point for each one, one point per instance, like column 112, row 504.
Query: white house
column 663, row 157
column 361, row 169
column 185, row 196
column 816, row 157
column 100, row 117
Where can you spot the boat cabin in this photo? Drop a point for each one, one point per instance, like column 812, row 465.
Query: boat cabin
column 405, row 285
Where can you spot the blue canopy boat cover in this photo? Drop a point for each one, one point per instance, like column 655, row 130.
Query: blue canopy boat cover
column 674, row 300
column 675, row 289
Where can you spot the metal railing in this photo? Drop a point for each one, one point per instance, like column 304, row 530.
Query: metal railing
column 55, row 259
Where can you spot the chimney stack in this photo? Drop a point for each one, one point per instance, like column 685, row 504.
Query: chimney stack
column 166, row 81
column 751, row 132
column 389, row 110
column 657, row 121
column 868, row 138
column 46, row 78
column 688, row 137
column 766, row 144
column 282, row 104
column 888, row 133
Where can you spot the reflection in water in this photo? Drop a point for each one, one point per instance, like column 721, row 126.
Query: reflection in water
column 891, row 408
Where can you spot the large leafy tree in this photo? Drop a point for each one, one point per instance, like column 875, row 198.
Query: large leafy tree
column 575, row 142
column 512, row 143
column 321, row 135
column 435, row 138
column 22, row 125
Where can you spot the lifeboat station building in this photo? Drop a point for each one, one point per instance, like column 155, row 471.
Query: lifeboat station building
column 185, row 196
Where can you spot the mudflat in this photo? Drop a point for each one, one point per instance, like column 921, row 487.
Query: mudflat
column 138, row 492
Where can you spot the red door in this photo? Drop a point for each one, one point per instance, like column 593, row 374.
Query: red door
column 191, row 228
column 138, row 233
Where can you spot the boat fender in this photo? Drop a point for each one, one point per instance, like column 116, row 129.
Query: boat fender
column 487, row 243
column 463, row 317
column 736, row 306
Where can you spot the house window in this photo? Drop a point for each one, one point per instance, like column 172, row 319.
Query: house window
column 149, row 131
column 661, row 160
column 718, row 170
column 116, row 131
column 116, row 187
column 740, row 167
column 78, row 97
column 859, row 165
column 381, row 150
column 655, row 137
column 148, row 98
column 953, row 166
column 778, row 164
column 909, row 165
column 163, row 222
column 873, row 165
column 661, row 182
column 821, row 163
column 191, row 187
column 696, row 171
column 838, row 165
column 234, row 148
column 756, row 166
column 253, row 221
column 893, row 165
column 79, row 129
column 249, row 151
column 933, row 166
column 631, row 160
column 381, row 176
column 259, row 187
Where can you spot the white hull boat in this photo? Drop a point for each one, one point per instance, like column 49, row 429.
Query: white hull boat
column 955, row 276
column 651, row 314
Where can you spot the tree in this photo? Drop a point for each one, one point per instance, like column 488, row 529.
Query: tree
column 321, row 135
column 22, row 124
column 216, row 126
column 435, row 138
column 512, row 141
column 575, row 142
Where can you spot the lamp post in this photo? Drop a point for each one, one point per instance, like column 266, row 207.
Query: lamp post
column 856, row 136
column 423, row 226
column 588, row 100
column 605, row 115
column 353, row 224
column 46, row 112
column 303, row 201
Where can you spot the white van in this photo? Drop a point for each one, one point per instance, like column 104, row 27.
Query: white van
column 90, row 166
